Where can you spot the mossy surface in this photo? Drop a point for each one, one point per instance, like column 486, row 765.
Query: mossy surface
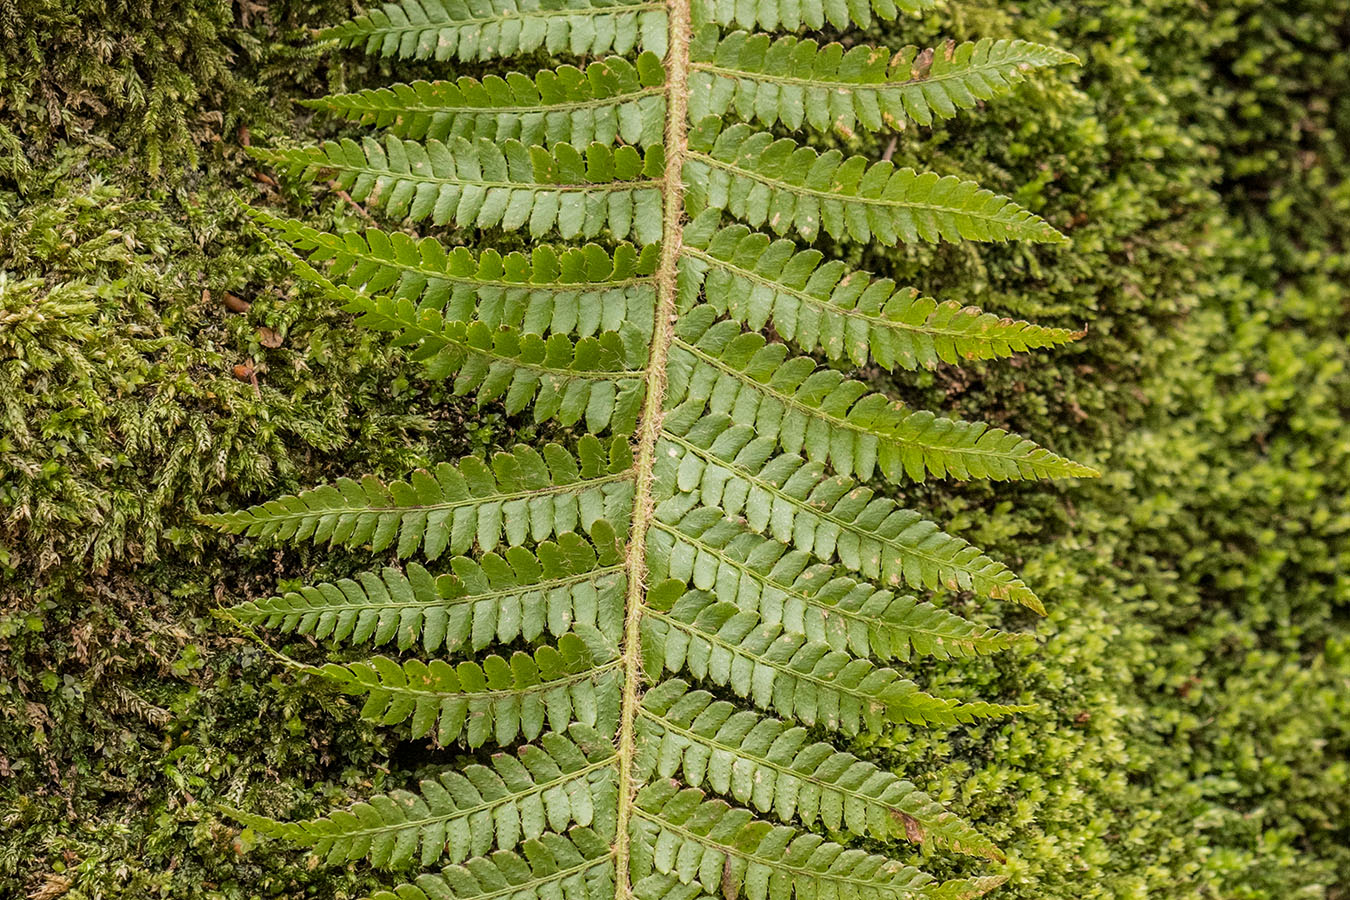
column 1193, row 681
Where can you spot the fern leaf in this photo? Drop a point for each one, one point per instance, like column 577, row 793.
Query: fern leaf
column 481, row 184
column 734, row 544
column 789, row 15
column 499, row 700
column 689, row 631
column 826, row 307
column 578, row 865
column 798, row 82
column 609, row 100
column 567, row 779
column 834, row 420
column 785, row 587
column 492, row 29
column 798, row 503
column 571, row 290
column 790, row 188
column 776, row 768
column 729, row 853
column 524, row 495
column 497, row 598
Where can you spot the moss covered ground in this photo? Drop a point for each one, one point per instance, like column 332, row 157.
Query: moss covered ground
column 1192, row 738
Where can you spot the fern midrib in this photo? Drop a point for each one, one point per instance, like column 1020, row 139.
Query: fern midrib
column 518, row 590
column 408, row 689
column 551, row 490
column 852, row 86
column 843, row 524
column 678, row 26
column 615, row 100
column 604, row 187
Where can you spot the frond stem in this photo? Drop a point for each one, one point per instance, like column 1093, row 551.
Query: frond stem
column 456, row 504
column 678, row 25
column 616, row 100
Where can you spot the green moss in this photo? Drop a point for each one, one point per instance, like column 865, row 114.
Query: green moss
column 1194, row 723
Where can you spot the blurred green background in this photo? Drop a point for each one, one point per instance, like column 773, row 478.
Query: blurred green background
column 1193, row 678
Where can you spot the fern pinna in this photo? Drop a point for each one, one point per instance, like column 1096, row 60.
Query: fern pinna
column 657, row 622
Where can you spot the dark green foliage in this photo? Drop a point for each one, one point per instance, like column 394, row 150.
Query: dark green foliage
column 1193, row 737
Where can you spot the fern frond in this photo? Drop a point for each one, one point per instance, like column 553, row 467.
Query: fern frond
column 734, row 544
column 497, row 598
column 577, row 866
column 798, row 503
column 845, row 314
column 689, row 631
column 789, row 15
column 790, row 188
column 798, row 82
column 482, row 184
column 609, row 100
column 524, row 495
column 832, row 419
column 568, row 779
column 492, row 29
column 570, row 290
column 775, row 768
column 729, row 853
column 786, row 587
column 499, row 700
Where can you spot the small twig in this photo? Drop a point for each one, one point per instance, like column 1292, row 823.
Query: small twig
column 361, row 210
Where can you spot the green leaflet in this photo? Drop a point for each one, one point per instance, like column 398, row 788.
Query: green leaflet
column 495, row 701
column 495, row 599
column 791, row 188
column 569, row 290
column 465, row 813
column 491, row 29
column 480, row 184
column 824, row 307
column 524, row 495
column 608, row 100
column 798, row 82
